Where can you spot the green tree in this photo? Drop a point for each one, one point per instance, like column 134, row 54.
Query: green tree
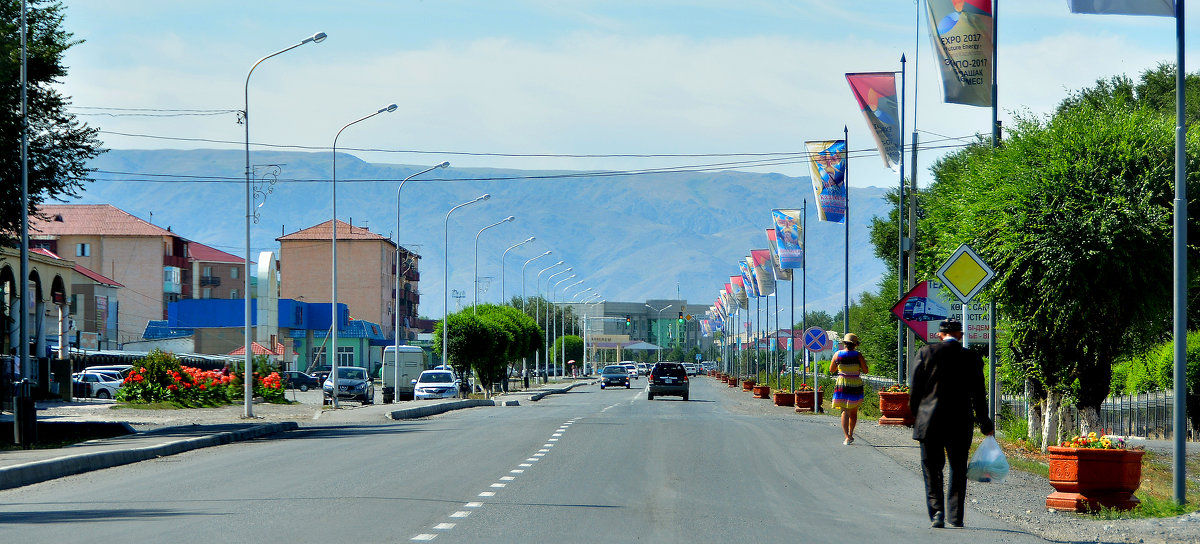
column 574, row 347
column 59, row 144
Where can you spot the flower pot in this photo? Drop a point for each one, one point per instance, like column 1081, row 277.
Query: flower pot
column 1085, row 479
column 762, row 391
column 731, row 381
column 785, row 399
column 748, row 385
column 895, row 409
column 804, row 400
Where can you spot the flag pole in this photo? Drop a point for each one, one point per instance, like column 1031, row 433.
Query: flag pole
column 1179, row 470
column 910, row 342
column 900, row 229
column 846, row 219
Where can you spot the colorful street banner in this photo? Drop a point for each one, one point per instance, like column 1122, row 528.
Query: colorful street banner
column 760, row 259
column 781, row 274
column 705, row 328
column 748, row 280
column 788, row 237
column 876, row 95
column 1123, row 7
column 739, row 291
column 730, row 299
column 828, row 160
column 961, row 32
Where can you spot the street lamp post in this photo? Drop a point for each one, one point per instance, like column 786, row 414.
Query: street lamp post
column 549, row 321
column 537, row 311
column 446, row 273
column 659, row 332
column 562, row 327
column 554, row 316
column 475, row 289
column 523, row 276
column 502, row 256
column 396, row 260
column 249, row 412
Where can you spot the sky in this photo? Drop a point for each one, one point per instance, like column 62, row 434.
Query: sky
column 564, row 77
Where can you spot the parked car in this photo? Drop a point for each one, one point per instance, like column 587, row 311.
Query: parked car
column 353, row 383
column 122, row 370
column 667, row 379
column 614, row 375
column 435, row 384
column 293, row 379
column 632, row 370
column 100, row 384
column 321, row 373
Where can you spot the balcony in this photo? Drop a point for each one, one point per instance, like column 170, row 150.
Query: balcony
column 412, row 275
column 210, row 281
column 178, row 262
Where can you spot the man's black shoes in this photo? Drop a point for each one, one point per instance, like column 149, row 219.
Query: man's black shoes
column 939, row 521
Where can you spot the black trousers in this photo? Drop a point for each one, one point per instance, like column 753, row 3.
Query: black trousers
column 934, row 452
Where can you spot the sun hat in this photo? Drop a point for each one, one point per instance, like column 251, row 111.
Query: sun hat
column 850, row 338
column 950, row 325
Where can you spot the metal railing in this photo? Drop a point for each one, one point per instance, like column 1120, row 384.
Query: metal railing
column 1148, row 415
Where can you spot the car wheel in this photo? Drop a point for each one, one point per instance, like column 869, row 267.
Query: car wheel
column 626, row 385
column 304, row 387
column 685, row 397
column 103, row 394
column 649, row 396
column 601, row 386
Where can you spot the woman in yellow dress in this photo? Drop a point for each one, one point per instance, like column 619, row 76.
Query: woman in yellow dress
column 849, row 365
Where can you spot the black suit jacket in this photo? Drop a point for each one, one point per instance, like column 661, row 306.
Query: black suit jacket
column 947, row 387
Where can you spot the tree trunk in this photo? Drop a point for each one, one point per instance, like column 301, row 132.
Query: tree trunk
column 1089, row 420
column 1033, row 418
column 1050, row 419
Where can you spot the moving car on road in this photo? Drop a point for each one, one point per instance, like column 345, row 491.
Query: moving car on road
column 631, row 369
column 435, row 384
column 614, row 375
column 667, row 379
column 353, row 384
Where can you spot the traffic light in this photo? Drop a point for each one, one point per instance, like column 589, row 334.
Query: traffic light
column 628, row 321
column 680, row 318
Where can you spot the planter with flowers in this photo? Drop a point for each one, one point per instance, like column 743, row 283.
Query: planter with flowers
column 731, row 381
column 761, row 391
column 893, row 403
column 1089, row 472
column 804, row 398
column 748, row 385
column 784, row 398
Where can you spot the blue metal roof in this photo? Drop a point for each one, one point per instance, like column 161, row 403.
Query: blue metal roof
column 159, row 330
column 354, row 329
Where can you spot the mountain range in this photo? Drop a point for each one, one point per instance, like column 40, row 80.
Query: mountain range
column 629, row 237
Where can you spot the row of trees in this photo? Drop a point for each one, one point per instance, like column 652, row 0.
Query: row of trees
column 1074, row 212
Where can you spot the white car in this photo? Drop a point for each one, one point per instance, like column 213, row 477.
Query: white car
column 435, row 384
column 633, row 370
column 102, row 385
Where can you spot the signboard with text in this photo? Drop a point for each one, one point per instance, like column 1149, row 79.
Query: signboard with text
column 929, row 303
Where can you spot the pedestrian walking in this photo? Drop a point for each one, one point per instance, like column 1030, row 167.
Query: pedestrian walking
column 947, row 398
column 849, row 365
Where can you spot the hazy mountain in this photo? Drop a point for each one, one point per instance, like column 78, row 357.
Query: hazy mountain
column 630, row 237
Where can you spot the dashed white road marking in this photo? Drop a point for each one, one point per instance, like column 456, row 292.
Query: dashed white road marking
column 525, row 465
column 544, row 450
column 516, row 471
column 507, row 478
column 460, row 514
column 547, row 445
column 473, row 505
column 443, row 526
column 532, row 459
column 539, row 455
column 488, row 494
column 556, row 434
column 424, row 537
column 498, row 485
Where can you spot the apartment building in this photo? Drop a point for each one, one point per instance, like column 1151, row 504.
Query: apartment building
column 367, row 271
column 215, row 273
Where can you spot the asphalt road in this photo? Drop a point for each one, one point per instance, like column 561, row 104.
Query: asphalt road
column 586, row 466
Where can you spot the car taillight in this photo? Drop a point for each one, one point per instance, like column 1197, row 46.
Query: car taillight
column 685, row 377
column 650, row 376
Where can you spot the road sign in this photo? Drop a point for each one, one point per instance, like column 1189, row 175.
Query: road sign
column 928, row 304
column 965, row 273
column 815, row 340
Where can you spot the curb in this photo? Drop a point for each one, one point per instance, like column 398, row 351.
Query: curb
column 441, row 408
column 540, row 396
column 41, row 471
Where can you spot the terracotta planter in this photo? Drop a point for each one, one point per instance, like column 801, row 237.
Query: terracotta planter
column 804, row 400
column 748, row 385
column 895, row 409
column 785, row 399
column 731, row 381
column 762, row 391
column 1085, row 479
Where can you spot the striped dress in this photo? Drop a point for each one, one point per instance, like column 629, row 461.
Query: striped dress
column 848, row 391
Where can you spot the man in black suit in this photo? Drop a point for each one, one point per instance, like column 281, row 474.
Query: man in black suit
column 947, row 387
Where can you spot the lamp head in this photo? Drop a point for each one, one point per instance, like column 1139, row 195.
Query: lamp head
column 546, row 253
column 445, row 164
column 485, row 196
column 316, row 38
column 390, row 108
column 509, row 218
column 530, row 239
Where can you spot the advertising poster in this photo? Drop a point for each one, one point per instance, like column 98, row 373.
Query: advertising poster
column 828, row 162
column 929, row 303
column 763, row 274
column 781, row 274
column 789, row 239
column 961, row 32
column 876, row 95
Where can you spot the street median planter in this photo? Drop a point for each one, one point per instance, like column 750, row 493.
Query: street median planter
column 894, row 406
column 804, row 400
column 761, row 391
column 748, row 385
column 784, row 399
column 731, row 381
column 1086, row 479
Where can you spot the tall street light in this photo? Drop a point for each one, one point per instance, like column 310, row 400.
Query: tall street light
column 475, row 290
column 658, row 340
column 553, row 300
column 396, row 260
column 562, row 327
column 333, row 335
column 502, row 256
column 537, row 309
column 523, row 276
column 549, row 322
column 446, row 273
column 249, row 412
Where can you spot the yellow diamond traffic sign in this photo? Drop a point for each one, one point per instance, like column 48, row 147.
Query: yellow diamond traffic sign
column 965, row 273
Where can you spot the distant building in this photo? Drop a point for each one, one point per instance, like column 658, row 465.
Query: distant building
column 92, row 325
column 367, row 270
column 217, row 274
column 48, row 315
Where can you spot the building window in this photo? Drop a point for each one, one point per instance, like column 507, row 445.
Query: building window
column 208, row 271
column 233, row 293
column 318, row 356
column 207, row 293
column 345, row 356
column 233, row 273
column 83, row 250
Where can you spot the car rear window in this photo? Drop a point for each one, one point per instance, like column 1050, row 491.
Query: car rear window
column 668, row 369
column 614, row 369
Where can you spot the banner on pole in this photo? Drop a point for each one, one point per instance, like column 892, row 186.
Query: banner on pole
column 1123, row 7
column 739, row 291
column 828, row 162
column 788, row 237
column 961, row 32
column 876, row 95
column 781, row 274
column 748, row 278
column 763, row 274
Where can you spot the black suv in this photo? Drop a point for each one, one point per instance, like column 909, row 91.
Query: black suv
column 667, row 379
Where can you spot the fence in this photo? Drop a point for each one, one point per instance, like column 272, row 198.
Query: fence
column 1149, row 415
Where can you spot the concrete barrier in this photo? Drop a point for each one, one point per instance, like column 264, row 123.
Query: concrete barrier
column 439, row 408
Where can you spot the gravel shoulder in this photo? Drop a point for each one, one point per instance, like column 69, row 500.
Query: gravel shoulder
column 1020, row 500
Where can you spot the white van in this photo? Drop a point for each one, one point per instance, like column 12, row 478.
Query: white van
column 412, row 362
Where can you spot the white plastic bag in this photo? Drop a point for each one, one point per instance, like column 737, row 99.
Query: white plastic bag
column 988, row 464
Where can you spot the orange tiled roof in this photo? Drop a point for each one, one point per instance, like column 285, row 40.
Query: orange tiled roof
column 201, row 252
column 259, row 349
column 91, row 219
column 324, row 231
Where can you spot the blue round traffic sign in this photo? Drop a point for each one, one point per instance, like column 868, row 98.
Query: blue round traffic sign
column 816, row 340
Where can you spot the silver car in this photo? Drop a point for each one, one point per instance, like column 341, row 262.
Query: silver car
column 353, row 383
